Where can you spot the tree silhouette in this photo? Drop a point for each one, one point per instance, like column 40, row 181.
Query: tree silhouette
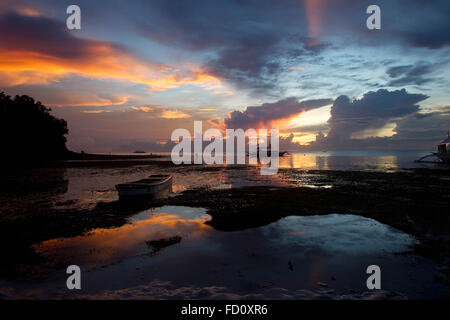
column 29, row 132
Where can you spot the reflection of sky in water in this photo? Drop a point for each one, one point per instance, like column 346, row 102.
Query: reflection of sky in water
column 351, row 160
column 329, row 234
column 88, row 186
column 83, row 188
column 336, row 233
column 109, row 245
column 318, row 247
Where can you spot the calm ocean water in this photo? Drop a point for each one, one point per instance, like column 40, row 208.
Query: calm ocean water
column 355, row 160
column 378, row 160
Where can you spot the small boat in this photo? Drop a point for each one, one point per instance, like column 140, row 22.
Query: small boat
column 145, row 187
column 268, row 152
column 139, row 151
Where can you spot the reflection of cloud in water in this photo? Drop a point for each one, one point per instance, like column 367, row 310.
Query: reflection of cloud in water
column 335, row 234
column 88, row 186
column 285, row 259
column 109, row 245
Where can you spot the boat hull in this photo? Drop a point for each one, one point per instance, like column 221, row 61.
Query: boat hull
column 445, row 157
column 136, row 189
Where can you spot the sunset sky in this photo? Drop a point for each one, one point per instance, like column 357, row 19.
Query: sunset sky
column 139, row 69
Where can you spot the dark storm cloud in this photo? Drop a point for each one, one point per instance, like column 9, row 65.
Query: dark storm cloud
column 46, row 36
column 249, row 42
column 372, row 111
column 257, row 116
column 397, row 71
column 409, row 75
column 420, row 23
column 429, row 25
column 432, row 39
column 253, row 63
column 408, row 23
column 205, row 24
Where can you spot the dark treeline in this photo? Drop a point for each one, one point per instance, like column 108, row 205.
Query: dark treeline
column 29, row 132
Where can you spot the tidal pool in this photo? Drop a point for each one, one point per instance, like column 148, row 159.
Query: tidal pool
column 295, row 257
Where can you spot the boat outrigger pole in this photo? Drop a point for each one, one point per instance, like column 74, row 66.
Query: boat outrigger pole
column 443, row 152
column 427, row 156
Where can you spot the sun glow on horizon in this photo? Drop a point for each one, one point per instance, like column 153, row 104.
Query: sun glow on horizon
column 310, row 118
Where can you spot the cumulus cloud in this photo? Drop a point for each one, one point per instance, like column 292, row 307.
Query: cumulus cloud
column 414, row 132
column 267, row 113
column 372, row 112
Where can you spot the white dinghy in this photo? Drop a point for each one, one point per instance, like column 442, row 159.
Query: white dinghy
column 145, row 187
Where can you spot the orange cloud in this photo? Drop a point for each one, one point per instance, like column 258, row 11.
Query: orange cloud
column 302, row 138
column 274, row 115
column 96, row 111
column 100, row 241
column 174, row 114
column 26, row 11
column 89, row 100
column 38, row 50
column 162, row 112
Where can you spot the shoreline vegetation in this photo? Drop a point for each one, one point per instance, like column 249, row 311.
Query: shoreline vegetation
column 33, row 137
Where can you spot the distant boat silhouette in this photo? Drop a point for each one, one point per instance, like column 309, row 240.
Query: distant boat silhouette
column 139, row 151
column 443, row 151
column 269, row 152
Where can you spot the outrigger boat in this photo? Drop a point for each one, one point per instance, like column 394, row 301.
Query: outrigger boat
column 268, row 152
column 443, row 151
column 145, row 187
